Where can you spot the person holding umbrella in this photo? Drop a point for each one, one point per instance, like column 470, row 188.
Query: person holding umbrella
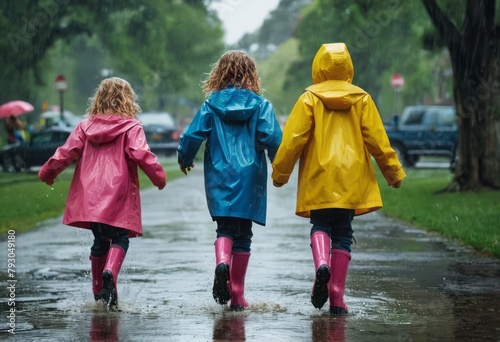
column 14, row 128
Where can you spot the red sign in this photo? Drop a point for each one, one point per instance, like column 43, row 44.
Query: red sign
column 61, row 84
column 397, row 81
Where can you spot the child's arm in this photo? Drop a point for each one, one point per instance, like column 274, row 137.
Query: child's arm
column 295, row 136
column 63, row 157
column 138, row 149
column 269, row 132
column 377, row 143
column 193, row 137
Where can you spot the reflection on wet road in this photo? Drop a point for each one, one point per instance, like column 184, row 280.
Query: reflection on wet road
column 403, row 284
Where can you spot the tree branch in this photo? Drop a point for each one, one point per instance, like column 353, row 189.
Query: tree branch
column 489, row 14
column 446, row 29
column 478, row 20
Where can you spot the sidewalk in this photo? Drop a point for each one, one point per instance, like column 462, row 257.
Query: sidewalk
column 403, row 285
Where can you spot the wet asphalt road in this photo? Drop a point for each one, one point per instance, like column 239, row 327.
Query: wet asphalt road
column 403, row 284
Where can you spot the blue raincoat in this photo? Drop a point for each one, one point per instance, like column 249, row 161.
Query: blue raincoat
column 238, row 126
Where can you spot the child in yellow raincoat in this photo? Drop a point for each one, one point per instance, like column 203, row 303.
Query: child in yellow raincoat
column 334, row 129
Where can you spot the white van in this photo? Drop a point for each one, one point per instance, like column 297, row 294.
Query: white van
column 53, row 118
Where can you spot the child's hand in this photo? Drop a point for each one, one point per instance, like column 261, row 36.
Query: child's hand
column 185, row 170
column 163, row 184
column 278, row 185
column 397, row 184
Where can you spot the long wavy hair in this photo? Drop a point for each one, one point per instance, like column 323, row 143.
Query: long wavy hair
column 234, row 68
column 114, row 96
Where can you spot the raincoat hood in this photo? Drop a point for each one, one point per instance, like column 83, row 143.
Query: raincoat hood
column 332, row 74
column 332, row 62
column 103, row 128
column 233, row 104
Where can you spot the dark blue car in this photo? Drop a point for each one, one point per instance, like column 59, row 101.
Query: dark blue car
column 41, row 146
column 424, row 131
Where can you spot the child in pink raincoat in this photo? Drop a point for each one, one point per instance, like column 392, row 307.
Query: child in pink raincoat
column 104, row 195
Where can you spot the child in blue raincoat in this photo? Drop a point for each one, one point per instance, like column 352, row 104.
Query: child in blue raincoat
column 238, row 126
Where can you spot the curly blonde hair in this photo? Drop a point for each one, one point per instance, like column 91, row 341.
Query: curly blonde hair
column 114, row 96
column 234, row 68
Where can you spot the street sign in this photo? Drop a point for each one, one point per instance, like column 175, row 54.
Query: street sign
column 61, row 84
column 397, row 81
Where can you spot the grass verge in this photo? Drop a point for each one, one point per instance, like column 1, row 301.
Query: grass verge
column 27, row 201
column 471, row 218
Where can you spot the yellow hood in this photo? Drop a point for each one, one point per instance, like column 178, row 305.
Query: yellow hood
column 332, row 62
column 332, row 74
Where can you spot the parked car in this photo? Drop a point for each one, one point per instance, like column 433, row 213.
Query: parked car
column 53, row 118
column 41, row 146
column 424, row 131
column 162, row 132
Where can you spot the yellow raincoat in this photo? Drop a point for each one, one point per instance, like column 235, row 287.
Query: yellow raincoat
column 335, row 128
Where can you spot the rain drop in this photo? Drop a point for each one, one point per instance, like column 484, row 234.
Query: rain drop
column 456, row 218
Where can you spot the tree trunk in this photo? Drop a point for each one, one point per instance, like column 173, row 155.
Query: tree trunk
column 478, row 109
column 475, row 57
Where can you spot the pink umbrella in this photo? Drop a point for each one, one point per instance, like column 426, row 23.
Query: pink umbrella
column 15, row 108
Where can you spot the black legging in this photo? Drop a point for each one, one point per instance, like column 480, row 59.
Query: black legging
column 105, row 236
column 335, row 222
column 237, row 229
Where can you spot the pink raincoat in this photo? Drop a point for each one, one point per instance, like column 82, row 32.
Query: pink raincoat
column 105, row 186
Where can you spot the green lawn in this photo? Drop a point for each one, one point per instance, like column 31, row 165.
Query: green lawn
column 27, row 201
column 471, row 218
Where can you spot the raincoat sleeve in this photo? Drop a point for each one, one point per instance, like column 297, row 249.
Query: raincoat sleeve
column 64, row 156
column 194, row 135
column 295, row 136
column 376, row 141
column 269, row 133
column 138, row 150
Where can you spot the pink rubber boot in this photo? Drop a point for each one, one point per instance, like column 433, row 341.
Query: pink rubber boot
column 114, row 262
column 320, row 245
column 220, row 291
column 96, row 269
column 339, row 263
column 238, row 272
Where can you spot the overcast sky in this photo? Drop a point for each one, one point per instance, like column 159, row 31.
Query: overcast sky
column 243, row 16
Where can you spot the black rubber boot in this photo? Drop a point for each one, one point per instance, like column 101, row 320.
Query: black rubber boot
column 220, row 290
column 320, row 289
column 109, row 294
column 338, row 311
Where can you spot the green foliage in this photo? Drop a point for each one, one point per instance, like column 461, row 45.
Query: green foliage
column 383, row 38
column 161, row 47
column 169, row 52
column 273, row 71
column 470, row 218
column 276, row 29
